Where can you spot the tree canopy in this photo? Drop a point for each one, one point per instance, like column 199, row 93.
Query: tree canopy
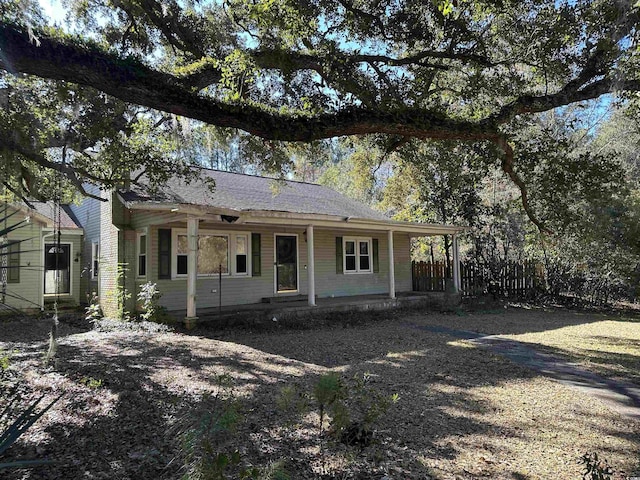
column 304, row 70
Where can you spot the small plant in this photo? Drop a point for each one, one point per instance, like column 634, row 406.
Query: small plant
column 365, row 407
column 354, row 407
column 595, row 468
column 93, row 383
column 5, row 360
column 328, row 393
column 148, row 297
column 204, row 441
column 93, row 311
column 52, row 350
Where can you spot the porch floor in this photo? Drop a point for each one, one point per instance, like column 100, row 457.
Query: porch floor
column 300, row 308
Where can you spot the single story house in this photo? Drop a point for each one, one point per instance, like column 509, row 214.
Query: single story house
column 39, row 266
column 249, row 240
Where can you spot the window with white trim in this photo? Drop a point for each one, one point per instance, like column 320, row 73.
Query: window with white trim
column 227, row 253
column 95, row 259
column 213, row 254
column 357, row 255
column 142, row 254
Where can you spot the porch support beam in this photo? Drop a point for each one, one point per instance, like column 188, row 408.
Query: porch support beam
column 456, row 264
column 392, row 272
column 192, row 267
column 311, row 269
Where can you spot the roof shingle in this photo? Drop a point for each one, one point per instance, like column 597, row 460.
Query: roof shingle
column 242, row 192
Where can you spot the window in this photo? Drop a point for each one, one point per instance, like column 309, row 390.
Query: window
column 13, row 272
column 213, row 254
column 95, row 259
column 242, row 254
column 357, row 255
column 181, row 256
column 142, row 254
column 224, row 253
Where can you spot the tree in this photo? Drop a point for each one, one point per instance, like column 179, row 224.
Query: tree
column 289, row 70
column 437, row 183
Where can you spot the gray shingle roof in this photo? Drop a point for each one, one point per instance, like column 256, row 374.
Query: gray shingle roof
column 241, row 192
column 47, row 209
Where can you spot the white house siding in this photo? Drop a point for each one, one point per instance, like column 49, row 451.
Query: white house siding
column 88, row 215
column 30, row 286
column 238, row 290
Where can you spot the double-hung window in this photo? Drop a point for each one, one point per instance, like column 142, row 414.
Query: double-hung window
column 357, row 255
column 218, row 253
column 242, row 254
column 95, row 259
column 142, row 254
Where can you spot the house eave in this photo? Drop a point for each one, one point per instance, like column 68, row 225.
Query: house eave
column 267, row 217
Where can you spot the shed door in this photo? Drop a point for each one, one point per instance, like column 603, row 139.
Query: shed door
column 286, row 263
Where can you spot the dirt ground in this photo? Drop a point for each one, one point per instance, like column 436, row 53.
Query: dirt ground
column 461, row 413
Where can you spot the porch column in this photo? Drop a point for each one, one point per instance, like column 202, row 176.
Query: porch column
column 311, row 269
column 456, row 264
column 392, row 272
column 192, row 266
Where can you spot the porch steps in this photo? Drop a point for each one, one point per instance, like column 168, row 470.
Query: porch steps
column 285, row 299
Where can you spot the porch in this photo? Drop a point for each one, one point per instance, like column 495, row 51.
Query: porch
column 259, row 313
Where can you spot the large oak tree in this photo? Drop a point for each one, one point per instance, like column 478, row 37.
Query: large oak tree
column 304, row 70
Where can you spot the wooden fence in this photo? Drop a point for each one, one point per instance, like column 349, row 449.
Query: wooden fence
column 511, row 279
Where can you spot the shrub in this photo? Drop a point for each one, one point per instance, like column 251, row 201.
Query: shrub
column 353, row 406
column 148, row 297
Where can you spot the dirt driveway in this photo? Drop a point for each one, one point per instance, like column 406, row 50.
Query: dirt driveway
column 461, row 412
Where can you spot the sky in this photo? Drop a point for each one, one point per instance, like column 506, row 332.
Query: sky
column 53, row 10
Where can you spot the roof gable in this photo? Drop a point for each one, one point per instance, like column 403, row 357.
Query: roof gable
column 46, row 213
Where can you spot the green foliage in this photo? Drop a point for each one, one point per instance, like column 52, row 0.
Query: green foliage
column 458, row 69
column 595, row 468
column 328, row 392
column 148, row 297
column 93, row 383
column 93, row 310
column 5, row 361
column 353, row 407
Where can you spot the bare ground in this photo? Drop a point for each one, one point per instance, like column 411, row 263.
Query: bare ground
column 461, row 413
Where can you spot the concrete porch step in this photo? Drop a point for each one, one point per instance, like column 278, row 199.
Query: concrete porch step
column 285, row 299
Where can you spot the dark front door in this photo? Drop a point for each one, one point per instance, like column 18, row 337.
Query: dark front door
column 57, row 268
column 286, row 263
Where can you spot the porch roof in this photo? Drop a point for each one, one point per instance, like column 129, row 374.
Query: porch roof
column 249, row 199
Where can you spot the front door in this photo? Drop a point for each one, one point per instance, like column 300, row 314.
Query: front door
column 57, row 268
column 286, row 263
